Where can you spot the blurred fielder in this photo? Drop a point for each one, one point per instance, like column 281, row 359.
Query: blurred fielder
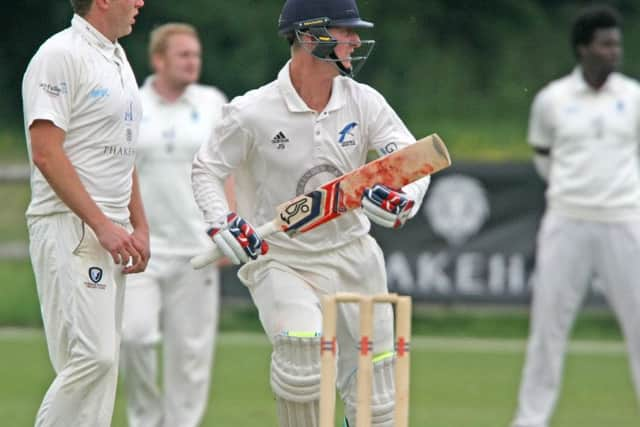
column 585, row 130
column 312, row 124
column 87, row 227
column 171, row 299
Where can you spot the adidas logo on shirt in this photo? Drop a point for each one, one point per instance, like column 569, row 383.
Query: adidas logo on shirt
column 279, row 140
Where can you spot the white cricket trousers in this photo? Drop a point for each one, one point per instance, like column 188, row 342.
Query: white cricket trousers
column 569, row 253
column 287, row 287
column 81, row 293
column 173, row 302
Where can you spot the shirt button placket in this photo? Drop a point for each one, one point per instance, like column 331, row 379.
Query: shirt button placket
column 317, row 134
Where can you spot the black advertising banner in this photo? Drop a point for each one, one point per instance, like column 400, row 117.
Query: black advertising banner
column 473, row 240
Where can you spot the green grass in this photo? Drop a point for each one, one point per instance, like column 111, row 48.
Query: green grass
column 14, row 198
column 454, row 383
column 471, row 138
column 12, row 144
column 476, row 139
column 19, row 302
column 19, row 307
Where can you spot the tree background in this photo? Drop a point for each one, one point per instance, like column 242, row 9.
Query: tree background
column 466, row 68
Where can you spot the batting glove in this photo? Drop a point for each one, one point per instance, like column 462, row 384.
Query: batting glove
column 386, row 207
column 238, row 240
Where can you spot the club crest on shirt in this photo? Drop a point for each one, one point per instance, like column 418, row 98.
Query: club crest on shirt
column 345, row 136
column 95, row 275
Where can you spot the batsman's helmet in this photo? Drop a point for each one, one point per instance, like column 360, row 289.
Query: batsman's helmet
column 297, row 14
column 315, row 17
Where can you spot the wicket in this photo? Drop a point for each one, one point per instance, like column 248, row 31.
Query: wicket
column 365, row 363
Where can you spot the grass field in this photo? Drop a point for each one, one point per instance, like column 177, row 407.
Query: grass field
column 455, row 382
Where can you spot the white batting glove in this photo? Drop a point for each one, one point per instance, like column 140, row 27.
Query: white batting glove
column 386, row 207
column 238, row 240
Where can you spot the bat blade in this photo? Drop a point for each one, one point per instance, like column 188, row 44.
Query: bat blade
column 306, row 212
column 395, row 170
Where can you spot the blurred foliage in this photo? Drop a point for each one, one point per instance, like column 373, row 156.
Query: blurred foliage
column 444, row 65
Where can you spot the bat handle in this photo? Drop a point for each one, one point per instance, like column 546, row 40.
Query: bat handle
column 213, row 254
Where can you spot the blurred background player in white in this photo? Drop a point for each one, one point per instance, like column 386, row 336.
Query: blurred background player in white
column 311, row 124
column 585, row 130
column 87, row 227
column 171, row 300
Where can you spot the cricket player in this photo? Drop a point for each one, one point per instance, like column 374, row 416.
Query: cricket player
column 585, row 130
column 310, row 125
column 86, row 221
column 170, row 299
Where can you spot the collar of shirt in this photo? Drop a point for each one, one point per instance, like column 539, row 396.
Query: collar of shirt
column 189, row 96
column 294, row 102
column 581, row 85
column 95, row 38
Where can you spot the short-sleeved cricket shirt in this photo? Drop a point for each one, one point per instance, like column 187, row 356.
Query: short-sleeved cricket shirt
column 170, row 135
column 593, row 136
column 279, row 148
column 83, row 84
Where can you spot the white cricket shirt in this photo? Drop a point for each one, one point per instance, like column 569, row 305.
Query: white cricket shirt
column 593, row 137
column 279, row 148
column 83, row 83
column 170, row 135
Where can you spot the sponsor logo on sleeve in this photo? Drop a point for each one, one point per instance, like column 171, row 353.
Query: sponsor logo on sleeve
column 99, row 93
column 54, row 89
column 388, row 149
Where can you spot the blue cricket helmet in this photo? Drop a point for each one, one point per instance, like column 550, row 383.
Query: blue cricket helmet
column 301, row 14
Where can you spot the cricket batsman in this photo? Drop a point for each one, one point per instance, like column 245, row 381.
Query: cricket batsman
column 313, row 123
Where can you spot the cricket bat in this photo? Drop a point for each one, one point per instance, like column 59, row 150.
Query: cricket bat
column 342, row 194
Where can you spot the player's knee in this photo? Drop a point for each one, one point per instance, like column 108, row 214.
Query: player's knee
column 96, row 362
column 138, row 332
column 295, row 367
column 382, row 393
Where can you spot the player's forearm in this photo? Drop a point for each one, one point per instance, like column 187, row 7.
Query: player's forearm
column 230, row 193
column 50, row 158
column 136, row 208
column 209, row 192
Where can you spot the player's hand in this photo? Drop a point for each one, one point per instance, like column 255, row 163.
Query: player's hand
column 238, row 240
column 386, row 207
column 140, row 240
column 119, row 243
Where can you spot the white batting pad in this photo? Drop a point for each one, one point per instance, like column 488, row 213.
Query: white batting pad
column 295, row 379
column 382, row 395
column 297, row 414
